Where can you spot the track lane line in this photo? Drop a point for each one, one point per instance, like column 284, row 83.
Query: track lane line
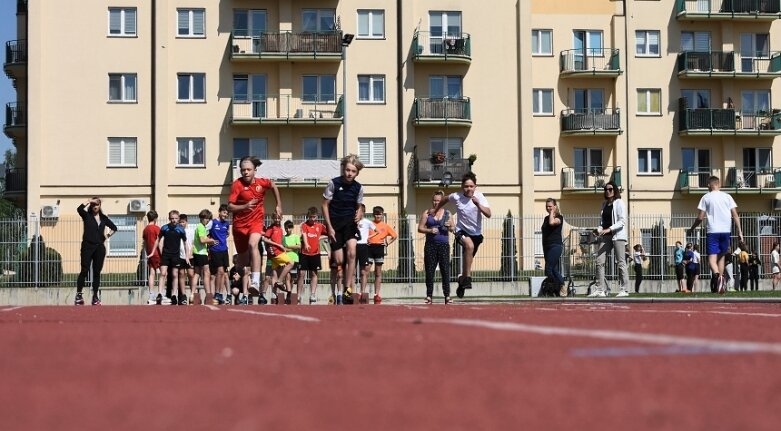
column 12, row 308
column 286, row 316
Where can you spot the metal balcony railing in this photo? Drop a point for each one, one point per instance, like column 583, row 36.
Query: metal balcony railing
column 427, row 170
column 736, row 7
column 16, row 52
column 758, row 179
column 590, row 120
column 14, row 115
column 425, row 44
column 589, row 178
column 720, row 62
column 15, row 180
column 595, row 60
column 289, row 107
column 446, row 108
column 286, row 43
column 696, row 179
column 21, row 6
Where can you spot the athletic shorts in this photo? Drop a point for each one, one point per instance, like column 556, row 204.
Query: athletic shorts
column 679, row 272
column 153, row 261
column 344, row 230
column 310, row 263
column 218, row 259
column 171, row 261
column 476, row 240
column 362, row 255
column 183, row 265
column 279, row 260
column 200, row 260
column 718, row 243
column 241, row 236
column 377, row 253
column 776, row 270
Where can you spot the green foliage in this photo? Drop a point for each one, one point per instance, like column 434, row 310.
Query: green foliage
column 406, row 254
column 39, row 261
column 509, row 263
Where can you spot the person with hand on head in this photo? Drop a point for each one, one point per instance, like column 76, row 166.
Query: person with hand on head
column 613, row 236
column 552, row 244
column 93, row 249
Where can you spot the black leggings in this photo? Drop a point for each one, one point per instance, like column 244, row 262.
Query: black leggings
column 638, row 277
column 437, row 253
column 94, row 254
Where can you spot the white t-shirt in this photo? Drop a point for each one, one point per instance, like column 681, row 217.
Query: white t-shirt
column 469, row 216
column 718, row 206
column 774, row 259
column 363, row 227
column 190, row 231
column 638, row 258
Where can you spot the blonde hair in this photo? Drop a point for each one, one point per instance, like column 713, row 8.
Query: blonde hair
column 353, row 160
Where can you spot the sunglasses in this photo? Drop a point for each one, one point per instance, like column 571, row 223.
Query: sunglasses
column 608, row 189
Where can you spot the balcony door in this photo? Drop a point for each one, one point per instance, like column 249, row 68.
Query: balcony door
column 445, row 86
column 318, row 20
column 443, row 26
column 754, row 108
column 452, row 147
column 589, row 101
column 587, row 45
column 589, row 170
column 696, row 160
column 756, row 162
column 251, row 89
column 754, row 47
column 696, row 99
column 249, row 22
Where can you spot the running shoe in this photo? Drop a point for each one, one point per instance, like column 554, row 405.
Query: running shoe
column 377, row 299
column 243, row 300
column 166, row 301
column 254, row 288
column 331, row 300
column 622, row 294
column 159, row 299
column 95, row 299
column 262, row 300
column 151, row 301
column 219, row 298
column 597, row 294
column 79, row 299
column 312, row 299
column 339, row 300
column 174, row 299
column 721, row 284
column 182, row 299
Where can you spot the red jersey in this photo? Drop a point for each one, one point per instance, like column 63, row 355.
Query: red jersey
column 241, row 194
column 312, row 236
column 274, row 233
column 150, row 234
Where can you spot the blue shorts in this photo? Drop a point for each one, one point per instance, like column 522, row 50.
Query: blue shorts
column 718, row 243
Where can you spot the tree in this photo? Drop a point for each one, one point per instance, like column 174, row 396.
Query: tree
column 509, row 266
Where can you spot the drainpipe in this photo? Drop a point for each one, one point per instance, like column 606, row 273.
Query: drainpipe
column 153, row 101
column 626, row 99
column 400, row 110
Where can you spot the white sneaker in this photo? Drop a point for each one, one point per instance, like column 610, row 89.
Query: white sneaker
column 254, row 288
column 151, row 301
column 622, row 294
column 312, row 299
column 597, row 294
column 166, row 301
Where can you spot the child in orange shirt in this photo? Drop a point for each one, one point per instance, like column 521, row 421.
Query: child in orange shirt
column 379, row 238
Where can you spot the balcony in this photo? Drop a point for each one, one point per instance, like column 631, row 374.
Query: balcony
column 426, row 171
column 442, row 48
column 15, row 65
column 447, row 111
column 603, row 122
column 727, row 10
column 288, row 109
column 286, row 45
column 15, row 120
column 595, row 63
column 696, row 181
column 591, row 179
column 717, row 64
column 295, row 173
column 740, row 180
column 21, row 7
column 15, row 182
column 725, row 122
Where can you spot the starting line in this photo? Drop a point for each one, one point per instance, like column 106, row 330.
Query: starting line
column 261, row 313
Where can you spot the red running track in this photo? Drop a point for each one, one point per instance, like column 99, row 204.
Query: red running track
column 532, row 366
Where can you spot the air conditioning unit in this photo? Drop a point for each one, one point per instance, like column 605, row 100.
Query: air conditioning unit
column 137, row 206
column 775, row 204
column 50, row 211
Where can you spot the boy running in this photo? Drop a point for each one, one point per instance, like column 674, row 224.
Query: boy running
column 381, row 237
column 172, row 236
column 150, row 235
column 311, row 232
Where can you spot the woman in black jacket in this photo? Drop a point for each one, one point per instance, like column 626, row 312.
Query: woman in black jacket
column 93, row 251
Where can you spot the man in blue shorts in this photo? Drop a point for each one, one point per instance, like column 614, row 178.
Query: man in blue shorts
column 717, row 206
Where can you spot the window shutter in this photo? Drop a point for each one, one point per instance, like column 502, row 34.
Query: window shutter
column 183, row 21
column 702, row 41
column 364, row 151
column 115, row 21
column 198, row 22
column 114, row 87
column 363, row 23
column 378, row 153
column 130, row 21
column 130, row 152
column 130, row 87
column 114, row 152
column 378, row 23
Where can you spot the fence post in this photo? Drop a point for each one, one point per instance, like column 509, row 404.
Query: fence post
column 410, row 252
column 36, row 240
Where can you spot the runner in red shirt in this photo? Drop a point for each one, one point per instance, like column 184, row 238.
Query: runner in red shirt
column 151, row 234
column 246, row 204
column 311, row 232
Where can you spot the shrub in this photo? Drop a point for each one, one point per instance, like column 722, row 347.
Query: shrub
column 47, row 267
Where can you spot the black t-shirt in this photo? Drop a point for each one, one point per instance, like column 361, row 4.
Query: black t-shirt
column 551, row 235
column 607, row 216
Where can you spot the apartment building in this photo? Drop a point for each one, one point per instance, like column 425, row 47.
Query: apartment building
column 149, row 103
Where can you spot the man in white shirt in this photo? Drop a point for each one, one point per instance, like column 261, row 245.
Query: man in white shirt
column 720, row 209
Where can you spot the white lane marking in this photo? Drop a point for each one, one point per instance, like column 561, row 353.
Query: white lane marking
column 12, row 308
column 729, row 313
column 286, row 316
column 212, row 307
column 638, row 337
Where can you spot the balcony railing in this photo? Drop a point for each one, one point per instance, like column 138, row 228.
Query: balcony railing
column 426, row 170
column 16, row 51
column 286, row 108
column 14, row 119
column 727, row 64
column 21, row 6
column 294, row 173
column 592, row 62
column 441, row 111
column 602, row 121
column 728, row 121
column 15, row 181
column 441, row 47
column 728, row 9
column 756, row 180
column 286, row 44
column 696, row 181
column 592, row 178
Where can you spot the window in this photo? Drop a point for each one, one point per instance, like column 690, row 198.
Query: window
column 589, row 100
column 122, row 21
column 696, row 99
column 445, row 86
column 243, row 147
column 122, row 152
column 190, row 22
column 318, row 20
column 649, row 161
column 695, row 41
column 251, row 89
column 754, row 109
column 588, row 161
column 122, row 87
column 543, row 101
column 647, row 43
column 371, row 24
column 649, row 101
column 443, row 26
column 696, row 160
column 371, row 88
column 543, row 160
column 249, row 22
column 452, row 147
column 588, row 42
column 542, row 42
column 123, row 242
column 189, row 152
column 191, row 87
column 371, row 151
column 753, row 47
column 319, row 88
column 319, row 149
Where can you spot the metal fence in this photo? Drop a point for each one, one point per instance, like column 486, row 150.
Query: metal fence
column 45, row 252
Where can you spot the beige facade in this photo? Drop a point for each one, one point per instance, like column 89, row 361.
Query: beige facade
column 468, row 90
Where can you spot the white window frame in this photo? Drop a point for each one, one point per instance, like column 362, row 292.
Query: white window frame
column 648, row 152
column 126, row 226
column 539, row 154
column 252, row 26
column 191, row 88
column 320, row 95
column 693, row 37
column 320, row 13
column 369, row 16
column 191, row 146
column 191, row 30
column 452, row 147
column 371, row 80
column 123, row 79
column 645, row 93
column 538, row 96
column 319, row 142
column 538, row 49
column 123, row 27
column 252, row 143
column 696, row 94
column 127, row 146
column 372, row 152
column 646, row 49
